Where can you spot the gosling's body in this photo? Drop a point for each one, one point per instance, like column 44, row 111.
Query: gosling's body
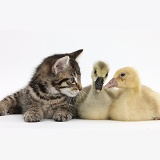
column 91, row 104
column 96, row 105
column 132, row 106
column 135, row 102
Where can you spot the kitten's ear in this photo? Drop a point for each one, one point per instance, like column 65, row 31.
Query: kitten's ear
column 75, row 54
column 60, row 64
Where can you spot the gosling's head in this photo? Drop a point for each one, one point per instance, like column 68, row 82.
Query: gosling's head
column 126, row 77
column 99, row 74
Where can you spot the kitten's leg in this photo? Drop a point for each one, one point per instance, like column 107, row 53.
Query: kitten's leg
column 7, row 103
column 33, row 114
column 62, row 115
column 156, row 118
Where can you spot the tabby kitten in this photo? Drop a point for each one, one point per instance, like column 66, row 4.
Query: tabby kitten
column 50, row 92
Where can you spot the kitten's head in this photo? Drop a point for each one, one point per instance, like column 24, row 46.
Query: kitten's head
column 63, row 73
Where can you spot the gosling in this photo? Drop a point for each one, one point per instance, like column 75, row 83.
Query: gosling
column 93, row 101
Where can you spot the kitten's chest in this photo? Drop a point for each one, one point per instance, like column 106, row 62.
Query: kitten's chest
column 49, row 107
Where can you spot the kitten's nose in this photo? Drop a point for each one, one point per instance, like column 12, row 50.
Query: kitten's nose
column 79, row 87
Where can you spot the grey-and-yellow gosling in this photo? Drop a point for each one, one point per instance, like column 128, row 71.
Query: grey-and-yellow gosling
column 93, row 101
column 135, row 101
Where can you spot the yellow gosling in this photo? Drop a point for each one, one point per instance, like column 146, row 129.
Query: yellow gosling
column 135, row 102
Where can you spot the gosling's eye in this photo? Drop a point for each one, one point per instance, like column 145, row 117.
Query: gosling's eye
column 95, row 72
column 122, row 74
column 106, row 75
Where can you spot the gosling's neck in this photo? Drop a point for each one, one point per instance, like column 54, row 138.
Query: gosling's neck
column 134, row 91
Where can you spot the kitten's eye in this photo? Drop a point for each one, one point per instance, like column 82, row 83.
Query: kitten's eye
column 72, row 80
column 95, row 72
column 122, row 74
column 106, row 75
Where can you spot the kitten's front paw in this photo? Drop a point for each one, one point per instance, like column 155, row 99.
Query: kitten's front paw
column 31, row 116
column 62, row 116
column 157, row 118
column 2, row 111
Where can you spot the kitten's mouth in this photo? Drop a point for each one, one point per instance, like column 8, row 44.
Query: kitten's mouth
column 71, row 94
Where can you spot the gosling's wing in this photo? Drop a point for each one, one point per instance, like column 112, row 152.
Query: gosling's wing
column 79, row 99
column 82, row 95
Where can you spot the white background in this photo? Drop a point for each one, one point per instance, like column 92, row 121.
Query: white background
column 121, row 33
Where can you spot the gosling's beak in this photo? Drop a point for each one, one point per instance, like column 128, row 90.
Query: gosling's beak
column 111, row 83
column 99, row 84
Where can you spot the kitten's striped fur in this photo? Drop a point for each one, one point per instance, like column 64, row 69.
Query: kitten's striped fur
column 50, row 92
